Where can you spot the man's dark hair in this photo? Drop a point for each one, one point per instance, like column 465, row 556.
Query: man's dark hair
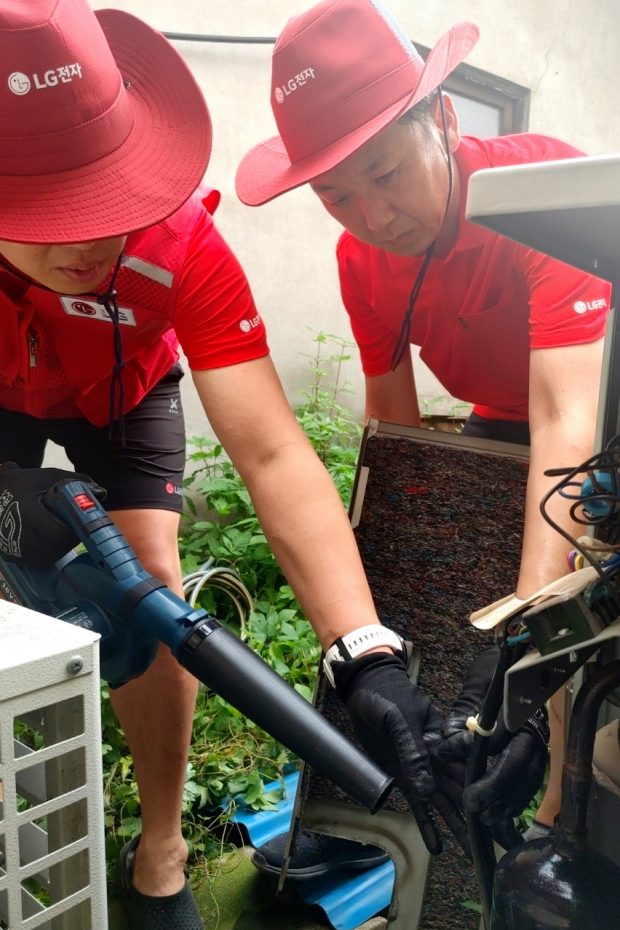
column 422, row 111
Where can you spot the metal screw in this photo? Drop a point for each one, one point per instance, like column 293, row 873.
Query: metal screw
column 75, row 665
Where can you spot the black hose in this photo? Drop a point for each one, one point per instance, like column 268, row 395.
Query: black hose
column 570, row 833
column 483, row 851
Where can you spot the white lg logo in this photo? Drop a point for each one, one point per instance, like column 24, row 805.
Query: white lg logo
column 19, row 83
column 580, row 307
column 245, row 326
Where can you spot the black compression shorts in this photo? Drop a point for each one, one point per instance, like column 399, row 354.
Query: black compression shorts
column 145, row 473
column 517, row 431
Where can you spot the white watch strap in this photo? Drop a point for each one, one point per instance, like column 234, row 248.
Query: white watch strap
column 357, row 643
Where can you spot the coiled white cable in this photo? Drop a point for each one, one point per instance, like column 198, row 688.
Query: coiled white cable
column 224, row 579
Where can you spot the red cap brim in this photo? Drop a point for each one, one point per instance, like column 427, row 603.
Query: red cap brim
column 146, row 179
column 266, row 171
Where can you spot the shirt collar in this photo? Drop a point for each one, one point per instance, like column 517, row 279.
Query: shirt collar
column 469, row 157
column 13, row 287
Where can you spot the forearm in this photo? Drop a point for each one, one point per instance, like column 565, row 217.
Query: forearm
column 563, row 401
column 294, row 496
column 310, row 535
column 392, row 397
column 562, row 442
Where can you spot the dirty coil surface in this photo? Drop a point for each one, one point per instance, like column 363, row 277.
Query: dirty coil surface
column 440, row 536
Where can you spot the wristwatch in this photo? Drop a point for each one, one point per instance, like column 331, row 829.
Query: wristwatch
column 359, row 642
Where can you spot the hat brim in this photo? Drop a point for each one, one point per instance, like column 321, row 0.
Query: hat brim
column 267, row 171
column 146, row 179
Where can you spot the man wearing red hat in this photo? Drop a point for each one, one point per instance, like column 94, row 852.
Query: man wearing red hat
column 362, row 119
column 108, row 254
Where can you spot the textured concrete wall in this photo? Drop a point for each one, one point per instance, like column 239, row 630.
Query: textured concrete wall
column 562, row 50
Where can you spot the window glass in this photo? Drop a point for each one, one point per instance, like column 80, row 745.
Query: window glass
column 477, row 118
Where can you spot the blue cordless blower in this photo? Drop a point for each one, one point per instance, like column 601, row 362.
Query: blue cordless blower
column 105, row 589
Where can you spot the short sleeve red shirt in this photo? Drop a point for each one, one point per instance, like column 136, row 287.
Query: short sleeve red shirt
column 180, row 283
column 216, row 321
column 484, row 306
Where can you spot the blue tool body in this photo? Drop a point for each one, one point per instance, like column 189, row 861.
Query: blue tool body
column 103, row 589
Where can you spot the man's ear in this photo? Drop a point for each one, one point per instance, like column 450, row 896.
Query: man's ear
column 452, row 120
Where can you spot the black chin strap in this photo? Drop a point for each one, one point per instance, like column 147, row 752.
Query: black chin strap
column 109, row 301
column 405, row 331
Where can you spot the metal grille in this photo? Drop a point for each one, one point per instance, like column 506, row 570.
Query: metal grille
column 52, row 863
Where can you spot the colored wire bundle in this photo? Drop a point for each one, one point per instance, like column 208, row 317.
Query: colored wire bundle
column 596, row 502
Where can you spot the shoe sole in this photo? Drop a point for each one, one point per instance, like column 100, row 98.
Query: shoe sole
column 338, row 863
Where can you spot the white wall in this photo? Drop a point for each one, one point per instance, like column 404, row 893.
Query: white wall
column 565, row 51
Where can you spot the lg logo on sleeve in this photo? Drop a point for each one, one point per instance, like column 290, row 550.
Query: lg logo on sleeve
column 247, row 325
column 582, row 306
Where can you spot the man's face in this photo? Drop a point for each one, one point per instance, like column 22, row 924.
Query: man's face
column 392, row 193
column 68, row 269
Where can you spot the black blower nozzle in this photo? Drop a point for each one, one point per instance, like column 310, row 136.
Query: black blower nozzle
column 226, row 665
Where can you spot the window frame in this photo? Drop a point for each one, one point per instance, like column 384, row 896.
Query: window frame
column 512, row 100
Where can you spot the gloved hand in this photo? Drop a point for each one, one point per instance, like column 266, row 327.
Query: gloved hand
column 31, row 533
column 518, row 759
column 396, row 724
column 392, row 719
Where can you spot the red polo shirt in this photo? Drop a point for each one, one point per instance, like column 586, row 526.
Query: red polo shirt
column 179, row 281
column 484, row 306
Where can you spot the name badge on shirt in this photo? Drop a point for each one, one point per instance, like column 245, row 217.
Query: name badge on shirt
column 90, row 309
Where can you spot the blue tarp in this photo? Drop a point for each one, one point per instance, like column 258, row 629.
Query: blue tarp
column 347, row 898
column 262, row 826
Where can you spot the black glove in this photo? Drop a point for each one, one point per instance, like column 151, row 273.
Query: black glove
column 391, row 717
column 518, row 759
column 31, row 533
column 396, row 724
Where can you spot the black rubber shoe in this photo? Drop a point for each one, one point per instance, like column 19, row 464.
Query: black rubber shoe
column 174, row 912
column 317, row 854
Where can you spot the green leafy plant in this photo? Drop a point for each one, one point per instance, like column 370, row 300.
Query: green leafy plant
column 231, row 758
column 527, row 817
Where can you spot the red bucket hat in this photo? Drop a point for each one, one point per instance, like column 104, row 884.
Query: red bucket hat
column 103, row 129
column 341, row 73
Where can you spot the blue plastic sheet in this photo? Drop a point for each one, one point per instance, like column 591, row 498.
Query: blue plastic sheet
column 347, row 898
column 262, row 826
column 350, row 898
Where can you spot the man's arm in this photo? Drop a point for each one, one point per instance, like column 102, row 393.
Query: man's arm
column 392, row 397
column 564, row 388
column 307, row 527
column 295, row 499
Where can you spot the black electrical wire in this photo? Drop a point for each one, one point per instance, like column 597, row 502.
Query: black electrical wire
column 608, row 461
column 480, row 838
